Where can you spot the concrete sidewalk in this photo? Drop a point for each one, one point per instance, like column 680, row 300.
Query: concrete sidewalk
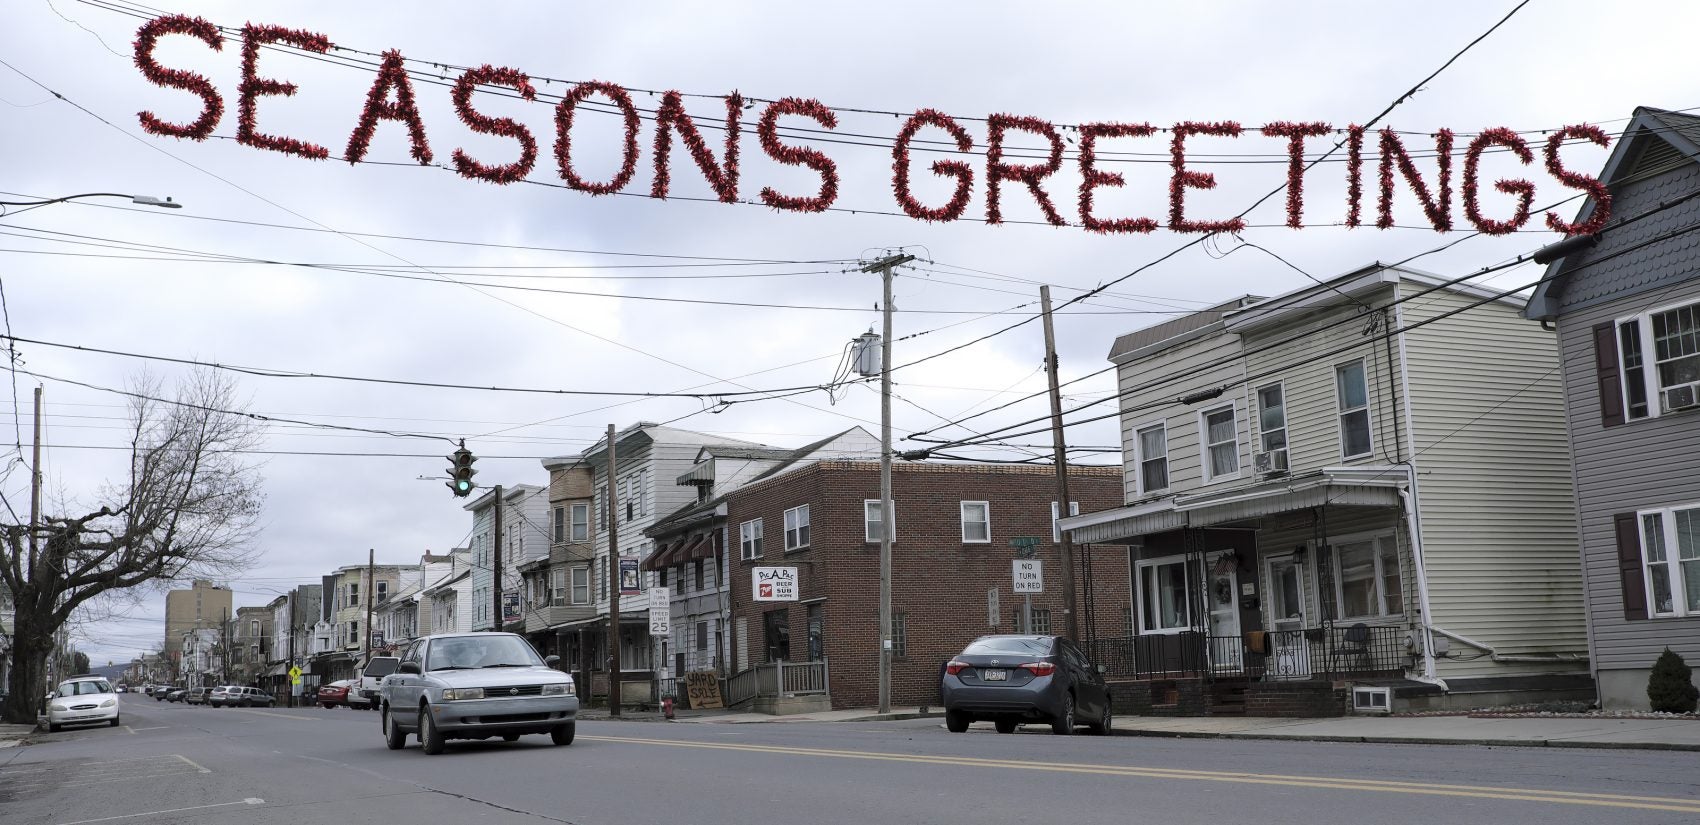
column 11, row 735
column 1556, row 732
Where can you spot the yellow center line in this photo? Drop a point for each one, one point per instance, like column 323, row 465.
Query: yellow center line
column 1338, row 783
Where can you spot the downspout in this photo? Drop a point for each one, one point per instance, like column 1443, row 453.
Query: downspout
column 1413, row 518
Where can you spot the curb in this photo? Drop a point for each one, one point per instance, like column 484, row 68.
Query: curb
column 1415, row 740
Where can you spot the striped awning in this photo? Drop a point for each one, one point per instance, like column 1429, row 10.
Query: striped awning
column 658, row 560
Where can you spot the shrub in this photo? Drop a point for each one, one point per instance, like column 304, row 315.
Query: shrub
column 1670, row 688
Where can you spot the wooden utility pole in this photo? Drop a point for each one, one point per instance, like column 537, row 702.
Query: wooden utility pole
column 884, row 266
column 35, row 481
column 1070, row 622
column 496, row 562
column 291, row 691
column 371, row 596
column 613, row 524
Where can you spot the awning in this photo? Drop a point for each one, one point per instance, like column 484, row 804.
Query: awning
column 278, row 670
column 1341, row 486
column 658, row 560
column 703, row 548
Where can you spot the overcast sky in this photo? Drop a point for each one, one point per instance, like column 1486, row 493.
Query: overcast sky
column 1557, row 62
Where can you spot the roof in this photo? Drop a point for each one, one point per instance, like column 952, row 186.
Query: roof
column 1650, row 132
column 1174, row 331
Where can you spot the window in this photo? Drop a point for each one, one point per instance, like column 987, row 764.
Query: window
column 1221, row 441
column 1163, row 596
column 560, row 524
column 679, row 580
column 1366, row 577
column 581, row 585
column 1041, row 622
column 976, row 522
column 1153, row 459
column 699, row 571
column 776, row 628
column 817, row 633
column 899, row 635
column 628, row 497
column 1272, row 419
column 1672, row 336
column 254, row 627
column 1073, row 510
column 1352, row 394
column 602, row 508
column 581, row 522
column 557, row 587
column 872, row 523
column 749, row 539
column 797, row 528
column 702, row 635
column 353, row 594
column 1670, row 554
column 601, row 579
column 354, row 633
column 383, row 592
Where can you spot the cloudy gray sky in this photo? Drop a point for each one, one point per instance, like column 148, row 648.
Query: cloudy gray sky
column 1557, row 62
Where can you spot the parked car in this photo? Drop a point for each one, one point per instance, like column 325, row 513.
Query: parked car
column 367, row 680
column 80, row 701
column 237, row 696
column 335, row 693
column 177, row 695
column 196, row 696
column 1016, row 679
column 475, row 686
column 216, row 696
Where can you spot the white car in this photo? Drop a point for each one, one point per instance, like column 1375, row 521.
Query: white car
column 81, row 700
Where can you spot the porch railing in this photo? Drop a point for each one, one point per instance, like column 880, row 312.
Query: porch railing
column 1332, row 651
column 779, row 678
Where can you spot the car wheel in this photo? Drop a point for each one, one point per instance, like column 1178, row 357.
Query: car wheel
column 54, row 727
column 1005, row 725
column 1102, row 727
column 956, row 721
column 114, row 722
column 1063, row 724
column 326, row 705
column 394, row 737
column 562, row 734
column 430, row 739
column 510, row 737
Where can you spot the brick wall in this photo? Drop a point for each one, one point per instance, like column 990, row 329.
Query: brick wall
column 939, row 582
column 1294, row 699
column 1165, row 697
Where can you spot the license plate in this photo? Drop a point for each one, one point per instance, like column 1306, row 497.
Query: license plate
column 995, row 675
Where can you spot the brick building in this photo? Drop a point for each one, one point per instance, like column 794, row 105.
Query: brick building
column 951, row 560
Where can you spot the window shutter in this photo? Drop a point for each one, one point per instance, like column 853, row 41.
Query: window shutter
column 1629, row 567
column 1608, row 374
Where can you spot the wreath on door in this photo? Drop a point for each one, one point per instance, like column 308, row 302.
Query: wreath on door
column 1224, row 590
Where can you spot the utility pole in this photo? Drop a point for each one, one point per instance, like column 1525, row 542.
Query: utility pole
column 1070, row 622
column 371, row 596
column 496, row 562
column 291, row 603
column 613, row 499
column 884, row 266
column 35, row 480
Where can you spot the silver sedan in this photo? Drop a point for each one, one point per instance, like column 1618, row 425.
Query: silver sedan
column 475, row 686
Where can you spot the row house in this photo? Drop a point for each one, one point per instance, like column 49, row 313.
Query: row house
column 557, row 587
column 248, row 633
column 293, row 616
column 957, row 529
column 1355, row 494
column 525, row 538
column 1626, row 308
column 399, row 619
column 448, row 601
column 198, row 660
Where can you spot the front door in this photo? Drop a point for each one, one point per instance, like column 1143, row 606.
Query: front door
column 1222, row 596
column 1287, row 648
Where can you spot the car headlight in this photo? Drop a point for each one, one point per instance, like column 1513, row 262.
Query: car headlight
column 557, row 690
column 453, row 694
column 109, row 703
column 60, row 708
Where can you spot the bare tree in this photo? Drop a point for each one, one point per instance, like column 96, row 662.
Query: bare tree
column 188, row 507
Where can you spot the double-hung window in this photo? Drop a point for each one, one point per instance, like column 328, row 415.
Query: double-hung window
column 1366, row 577
column 581, row 523
column 558, row 587
column 581, row 585
column 976, row 522
column 560, row 524
column 602, row 508
column 1670, row 555
column 1352, row 396
column 1272, row 425
column 872, row 521
column 797, row 528
column 1669, row 380
column 1221, row 443
column 749, row 539
column 1163, row 596
column 1153, row 459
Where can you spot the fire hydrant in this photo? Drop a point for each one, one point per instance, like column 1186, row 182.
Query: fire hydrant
column 667, row 707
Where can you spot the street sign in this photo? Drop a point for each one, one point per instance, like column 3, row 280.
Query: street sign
column 660, row 611
column 1029, row 575
column 294, row 675
column 773, row 584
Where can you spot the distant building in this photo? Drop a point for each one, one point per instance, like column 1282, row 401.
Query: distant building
column 203, row 605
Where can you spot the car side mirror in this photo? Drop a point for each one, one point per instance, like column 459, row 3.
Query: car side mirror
column 408, row 667
column 51, row 695
column 1102, row 670
column 551, row 661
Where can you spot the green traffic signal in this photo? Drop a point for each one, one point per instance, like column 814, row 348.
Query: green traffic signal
column 461, row 472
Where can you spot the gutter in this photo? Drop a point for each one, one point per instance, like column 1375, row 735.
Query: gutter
column 1495, row 655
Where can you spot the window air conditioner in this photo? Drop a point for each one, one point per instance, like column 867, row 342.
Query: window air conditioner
column 1682, row 396
column 1274, row 461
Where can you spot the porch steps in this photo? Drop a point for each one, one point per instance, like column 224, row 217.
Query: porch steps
column 1228, row 697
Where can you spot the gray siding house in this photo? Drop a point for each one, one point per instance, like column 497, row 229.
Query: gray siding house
column 1627, row 312
column 1333, row 500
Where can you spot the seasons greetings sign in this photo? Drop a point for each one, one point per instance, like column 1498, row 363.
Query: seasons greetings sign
column 392, row 97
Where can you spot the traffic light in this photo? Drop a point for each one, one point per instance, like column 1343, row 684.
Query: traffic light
column 461, row 472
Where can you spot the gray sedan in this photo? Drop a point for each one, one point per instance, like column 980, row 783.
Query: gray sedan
column 1016, row 679
column 475, row 686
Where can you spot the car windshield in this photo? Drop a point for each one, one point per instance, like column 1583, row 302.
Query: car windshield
column 466, row 652
column 1010, row 645
column 84, row 688
column 382, row 666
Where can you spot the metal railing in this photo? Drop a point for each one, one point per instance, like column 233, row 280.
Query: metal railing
column 1329, row 652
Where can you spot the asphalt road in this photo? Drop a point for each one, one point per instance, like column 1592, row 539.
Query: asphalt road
column 174, row 763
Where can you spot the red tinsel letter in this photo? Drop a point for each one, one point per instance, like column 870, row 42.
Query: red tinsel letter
column 1091, row 178
column 963, row 173
column 500, row 126
column 1197, row 180
column 671, row 116
column 213, row 105
column 392, row 74
column 768, row 130
column 1354, row 174
column 564, row 136
column 1438, row 209
column 1597, row 191
column 253, row 86
column 1295, row 133
column 1030, row 174
column 1523, row 189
